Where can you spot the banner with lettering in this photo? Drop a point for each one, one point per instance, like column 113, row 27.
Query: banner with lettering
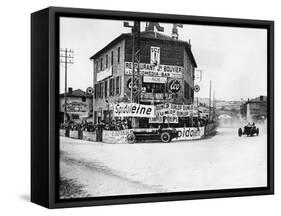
column 133, row 110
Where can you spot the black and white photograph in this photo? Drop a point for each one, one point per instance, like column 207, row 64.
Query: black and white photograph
column 153, row 107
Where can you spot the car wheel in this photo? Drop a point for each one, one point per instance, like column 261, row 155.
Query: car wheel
column 165, row 137
column 131, row 138
column 258, row 131
column 240, row 132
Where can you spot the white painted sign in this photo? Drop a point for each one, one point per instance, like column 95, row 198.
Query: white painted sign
column 165, row 119
column 190, row 133
column 104, row 74
column 149, row 79
column 155, row 71
column 133, row 110
column 155, row 55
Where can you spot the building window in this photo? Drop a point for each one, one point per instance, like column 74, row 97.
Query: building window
column 106, row 61
column 101, row 90
column 101, row 62
column 111, row 87
column 105, row 88
column 83, row 99
column 112, row 56
column 118, row 87
column 96, row 91
column 96, row 67
column 186, row 90
column 118, row 55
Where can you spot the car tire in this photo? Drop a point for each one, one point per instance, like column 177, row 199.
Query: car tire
column 165, row 137
column 131, row 138
column 258, row 131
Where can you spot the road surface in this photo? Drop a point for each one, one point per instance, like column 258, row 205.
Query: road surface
column 220, row 162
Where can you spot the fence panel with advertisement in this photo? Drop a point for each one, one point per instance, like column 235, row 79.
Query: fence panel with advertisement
column 190, row 133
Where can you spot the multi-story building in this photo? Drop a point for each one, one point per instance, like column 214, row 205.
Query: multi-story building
column 166, row 73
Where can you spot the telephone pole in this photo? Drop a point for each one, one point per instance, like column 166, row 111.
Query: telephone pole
column 135, row 52
column 66, row 57
column 210, row 100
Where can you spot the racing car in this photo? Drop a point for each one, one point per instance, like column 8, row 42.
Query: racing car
column 164, row 135
column 249, row 130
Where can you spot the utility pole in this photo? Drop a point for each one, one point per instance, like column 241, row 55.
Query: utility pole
column 135, row 44
column 210, row 100
column 135, row 52
column 66, row 57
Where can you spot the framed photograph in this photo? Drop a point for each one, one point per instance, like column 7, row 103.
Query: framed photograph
column 134, row 107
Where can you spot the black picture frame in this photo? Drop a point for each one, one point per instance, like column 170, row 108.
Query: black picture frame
column 44, row 106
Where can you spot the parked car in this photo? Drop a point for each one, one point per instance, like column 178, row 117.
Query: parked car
column 164, row 135
column 249, row 130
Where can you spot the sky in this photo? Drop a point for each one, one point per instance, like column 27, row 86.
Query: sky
column 234, row 59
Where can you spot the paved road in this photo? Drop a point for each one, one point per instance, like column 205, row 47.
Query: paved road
column 222, row 161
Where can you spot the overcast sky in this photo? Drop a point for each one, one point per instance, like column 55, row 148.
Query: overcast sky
column 233, row 58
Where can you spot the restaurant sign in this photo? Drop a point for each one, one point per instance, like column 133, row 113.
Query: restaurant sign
column 155, row 70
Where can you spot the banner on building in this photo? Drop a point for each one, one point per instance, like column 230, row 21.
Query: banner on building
column 190, row 133
column 175, row 110
column 134, row 110
column 164, row 119
column 155, row 70
column 149, row 79
column 154, row 55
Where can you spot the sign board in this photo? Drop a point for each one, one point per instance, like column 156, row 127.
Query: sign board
column 174, row 86
column 104, row 74
column 155, row 71
column 156, row 96
column 196, row 88
column 133, row 110
column 74, row 107
column 136, row 83
column 155, row 55
column 164, row 119
column 148, row 79
column 175, row 110
column 190, row 133
column 90, row 90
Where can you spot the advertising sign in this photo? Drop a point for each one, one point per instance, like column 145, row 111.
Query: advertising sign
column 174, row 86
column 155, row 71
column 148, row 79
column 190, row 133
column 196, row 88
column 164, row 119
column 136, row 83
column 175, row 110
column 74, row 106
column 155, row 55
column 133, row 110
column 156, row 96
column 104, row 74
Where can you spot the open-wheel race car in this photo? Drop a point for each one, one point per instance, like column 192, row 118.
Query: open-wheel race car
column 164, row 135
column 249, row 130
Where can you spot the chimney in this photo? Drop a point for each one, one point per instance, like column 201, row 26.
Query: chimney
column 70, row 91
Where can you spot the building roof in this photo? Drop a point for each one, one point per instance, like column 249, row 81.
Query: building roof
column 149, row 35
column 76, row 93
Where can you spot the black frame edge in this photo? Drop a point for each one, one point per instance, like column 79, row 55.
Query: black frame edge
column 39, row 107
column 49, row 199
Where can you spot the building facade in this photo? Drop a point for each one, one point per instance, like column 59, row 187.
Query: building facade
column 257, row 108
column 79, row 105
column 165, row 73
